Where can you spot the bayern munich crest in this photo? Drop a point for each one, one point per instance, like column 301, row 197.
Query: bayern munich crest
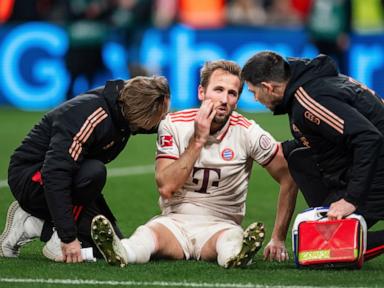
column 227, row 154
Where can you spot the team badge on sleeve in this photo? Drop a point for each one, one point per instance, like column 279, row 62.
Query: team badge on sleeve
column 265, row 142
column 166, row 141
column 227, row 154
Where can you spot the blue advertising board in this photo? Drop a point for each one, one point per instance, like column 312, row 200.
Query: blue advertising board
column 33, row 75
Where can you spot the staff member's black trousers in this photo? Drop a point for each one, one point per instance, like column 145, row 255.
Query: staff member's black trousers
column 87, row 198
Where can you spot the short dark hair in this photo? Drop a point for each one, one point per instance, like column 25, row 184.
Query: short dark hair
column 264, row 67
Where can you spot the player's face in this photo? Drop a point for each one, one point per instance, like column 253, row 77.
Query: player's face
column 267, row 94
column 223, row 90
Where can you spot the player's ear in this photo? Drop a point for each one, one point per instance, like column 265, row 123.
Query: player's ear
column 267, row 85
column 201, row 93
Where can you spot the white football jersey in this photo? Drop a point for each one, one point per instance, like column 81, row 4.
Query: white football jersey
column 219, row 180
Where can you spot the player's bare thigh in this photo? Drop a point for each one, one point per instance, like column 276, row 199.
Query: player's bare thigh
column 208, row 252
column 168, row 246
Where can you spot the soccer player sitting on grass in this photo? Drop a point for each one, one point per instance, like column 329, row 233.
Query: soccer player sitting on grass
column 58, row 172
column 203, row 164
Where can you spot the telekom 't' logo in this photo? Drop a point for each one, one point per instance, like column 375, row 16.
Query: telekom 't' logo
column 206, row 176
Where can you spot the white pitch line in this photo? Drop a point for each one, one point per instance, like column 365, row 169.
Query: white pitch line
column 147, row 283
column 133, row 170
column 115, row 172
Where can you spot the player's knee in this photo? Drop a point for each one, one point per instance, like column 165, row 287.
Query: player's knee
column 228, row 244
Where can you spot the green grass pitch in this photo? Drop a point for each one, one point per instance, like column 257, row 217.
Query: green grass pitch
column 134, row 200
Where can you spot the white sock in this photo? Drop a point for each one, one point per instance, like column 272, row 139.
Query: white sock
column 33, row 226
column 228, row 245
column 141, row 245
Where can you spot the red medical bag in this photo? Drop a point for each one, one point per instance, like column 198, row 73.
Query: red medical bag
column 320, row 243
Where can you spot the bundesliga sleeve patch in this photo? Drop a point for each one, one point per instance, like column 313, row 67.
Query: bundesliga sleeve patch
column 166, row 141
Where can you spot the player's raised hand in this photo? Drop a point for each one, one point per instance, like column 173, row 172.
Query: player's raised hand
column 203, row 121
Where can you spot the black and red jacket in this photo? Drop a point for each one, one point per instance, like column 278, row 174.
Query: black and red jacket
column 343, row 123
column 89, row 126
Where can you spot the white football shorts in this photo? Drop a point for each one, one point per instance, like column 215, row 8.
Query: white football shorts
column 193, row 231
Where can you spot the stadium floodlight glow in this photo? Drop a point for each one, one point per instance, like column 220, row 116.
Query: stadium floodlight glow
column 49, row 80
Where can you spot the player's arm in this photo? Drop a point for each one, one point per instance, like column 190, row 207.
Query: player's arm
column 278, row 169
column 172, row 174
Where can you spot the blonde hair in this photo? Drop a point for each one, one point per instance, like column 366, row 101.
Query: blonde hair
column 211, row 66
column 142, row 101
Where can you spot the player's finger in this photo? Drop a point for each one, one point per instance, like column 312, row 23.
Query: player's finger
column 279, row 255
column 206, row 105
column 272, row 255
column 285, row 256
column 266, row 253
column 206, row 109
column 212, row 114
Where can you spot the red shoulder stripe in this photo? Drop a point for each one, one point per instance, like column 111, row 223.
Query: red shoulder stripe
column 184, row 112
column 272, row 156
column 164, row 156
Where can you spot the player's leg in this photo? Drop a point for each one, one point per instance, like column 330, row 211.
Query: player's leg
column 152, row 239
column 251, row 242
column 223, row 245
column 167, row 243
column 107, row 241
column 234, row 247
